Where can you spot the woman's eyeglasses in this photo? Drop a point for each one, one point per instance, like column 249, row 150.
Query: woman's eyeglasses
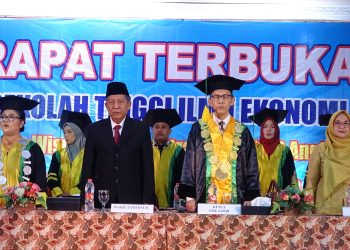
column 9, row 118
column 338, row 124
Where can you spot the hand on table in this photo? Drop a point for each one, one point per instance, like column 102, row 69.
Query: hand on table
column 247, row 203
column 191, row 205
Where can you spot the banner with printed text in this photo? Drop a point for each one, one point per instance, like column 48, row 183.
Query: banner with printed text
column 66, row 64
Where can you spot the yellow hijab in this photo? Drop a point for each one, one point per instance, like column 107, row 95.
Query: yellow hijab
column 336, row 153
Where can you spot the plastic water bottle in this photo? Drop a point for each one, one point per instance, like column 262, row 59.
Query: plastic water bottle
column 176, row 196
column 89, row 196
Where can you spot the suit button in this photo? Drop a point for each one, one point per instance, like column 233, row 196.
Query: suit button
column 116, row 168
column 116, row 181
column 116, row 155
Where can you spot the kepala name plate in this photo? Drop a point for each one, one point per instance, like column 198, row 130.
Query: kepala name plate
column 132, row 208
column 231, row 209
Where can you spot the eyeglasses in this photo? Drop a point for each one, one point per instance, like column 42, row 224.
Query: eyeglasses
column 9, row 118
column 224, row 97
column 338, row 124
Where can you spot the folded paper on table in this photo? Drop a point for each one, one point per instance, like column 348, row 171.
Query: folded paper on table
column 259, row 206
column 261, row 201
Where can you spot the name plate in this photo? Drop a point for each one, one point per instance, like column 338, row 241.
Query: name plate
column 232, row 209
column 346, row 211
column 132, row 208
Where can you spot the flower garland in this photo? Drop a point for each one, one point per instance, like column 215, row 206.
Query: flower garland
column 224, row 166
column 25, row 168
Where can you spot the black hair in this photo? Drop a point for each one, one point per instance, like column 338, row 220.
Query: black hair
column 22, row 116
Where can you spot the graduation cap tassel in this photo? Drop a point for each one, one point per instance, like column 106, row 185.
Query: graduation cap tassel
column 207, row 96
column 206, row 112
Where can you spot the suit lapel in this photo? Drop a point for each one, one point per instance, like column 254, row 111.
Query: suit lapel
column 107, row 131
column 125, row 131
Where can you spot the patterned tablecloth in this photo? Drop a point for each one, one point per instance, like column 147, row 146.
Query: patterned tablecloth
column 257, row 232
column 40, row 229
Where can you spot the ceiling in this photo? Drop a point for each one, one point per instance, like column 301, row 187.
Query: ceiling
column 303, row 10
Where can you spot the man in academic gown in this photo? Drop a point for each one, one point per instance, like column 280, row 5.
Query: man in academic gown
column 118, row 153
column 220, row 164
column 167, row 156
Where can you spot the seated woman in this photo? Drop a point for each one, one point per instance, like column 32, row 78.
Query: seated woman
column 66, row 164
column 329, row 166
column 20, row 158
column 275, row 160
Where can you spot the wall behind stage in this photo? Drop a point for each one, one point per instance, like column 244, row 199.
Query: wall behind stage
column 66, row 64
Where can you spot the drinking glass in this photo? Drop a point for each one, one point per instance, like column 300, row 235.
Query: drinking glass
column 103, row 196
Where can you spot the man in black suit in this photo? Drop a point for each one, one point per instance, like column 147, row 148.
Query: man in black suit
column 118, row 153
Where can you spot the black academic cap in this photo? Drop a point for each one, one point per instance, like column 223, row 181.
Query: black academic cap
column 116, row 88
column 277, row 115
column 169, row 116
column 212, row 83
column 82, row 120
column 323, row 120
column 16, row 103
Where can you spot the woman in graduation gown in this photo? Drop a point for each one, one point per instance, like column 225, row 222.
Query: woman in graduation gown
column 275, row 160
column 20, row 158
column 66, row 164
column 329, row 166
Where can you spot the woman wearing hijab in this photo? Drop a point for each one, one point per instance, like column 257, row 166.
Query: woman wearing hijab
column 20, row 158
column 66, row 164
column 329, row 166
column 323, row 120
column 275, row 160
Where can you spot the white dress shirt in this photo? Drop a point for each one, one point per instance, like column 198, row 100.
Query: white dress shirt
column 226, row 120
column 113, row 124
